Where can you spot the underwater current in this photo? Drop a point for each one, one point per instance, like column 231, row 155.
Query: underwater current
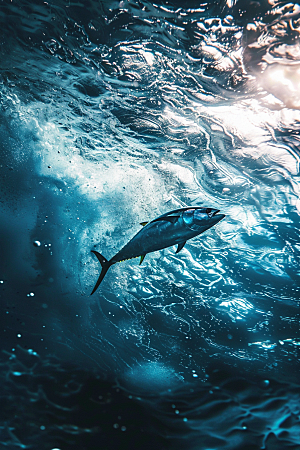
column 111, row 114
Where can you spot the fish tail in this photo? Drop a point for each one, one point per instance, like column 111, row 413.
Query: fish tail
column 105, row 266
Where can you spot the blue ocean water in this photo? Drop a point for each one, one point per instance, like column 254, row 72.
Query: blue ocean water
column 112, row 113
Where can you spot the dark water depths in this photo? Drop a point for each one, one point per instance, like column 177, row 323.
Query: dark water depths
column 112, row 113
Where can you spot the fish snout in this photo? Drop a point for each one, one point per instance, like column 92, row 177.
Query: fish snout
column 211, row 212
column 215, row 218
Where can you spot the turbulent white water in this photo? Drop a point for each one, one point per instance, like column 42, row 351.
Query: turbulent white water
column 113, row 113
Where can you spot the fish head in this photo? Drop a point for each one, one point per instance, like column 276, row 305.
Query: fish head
column 200, row 219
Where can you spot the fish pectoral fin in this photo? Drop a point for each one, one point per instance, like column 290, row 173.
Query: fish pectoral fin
column 142, row 259
column 180, row 246
column 143, row 223
column 171, row 219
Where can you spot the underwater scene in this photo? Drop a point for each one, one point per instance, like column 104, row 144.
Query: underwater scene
column 119, row 119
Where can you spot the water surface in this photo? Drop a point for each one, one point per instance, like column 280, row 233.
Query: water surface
column 113, row 113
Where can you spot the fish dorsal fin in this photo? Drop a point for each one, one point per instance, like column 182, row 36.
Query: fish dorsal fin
column 143, row 223
column 171, row 219
column 180, row 246
column 142, row 259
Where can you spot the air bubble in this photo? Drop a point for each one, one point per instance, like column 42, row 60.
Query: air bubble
column 37, row 243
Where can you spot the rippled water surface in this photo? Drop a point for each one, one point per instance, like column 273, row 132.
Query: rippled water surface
column 111, row 114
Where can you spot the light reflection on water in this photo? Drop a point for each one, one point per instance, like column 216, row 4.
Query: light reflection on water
column 112, row 117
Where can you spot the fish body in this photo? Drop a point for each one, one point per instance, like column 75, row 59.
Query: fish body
column 174, row 227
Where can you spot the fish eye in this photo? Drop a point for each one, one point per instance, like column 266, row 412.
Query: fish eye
column 208, row 211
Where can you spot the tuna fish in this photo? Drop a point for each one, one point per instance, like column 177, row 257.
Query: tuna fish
column 172, row 228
